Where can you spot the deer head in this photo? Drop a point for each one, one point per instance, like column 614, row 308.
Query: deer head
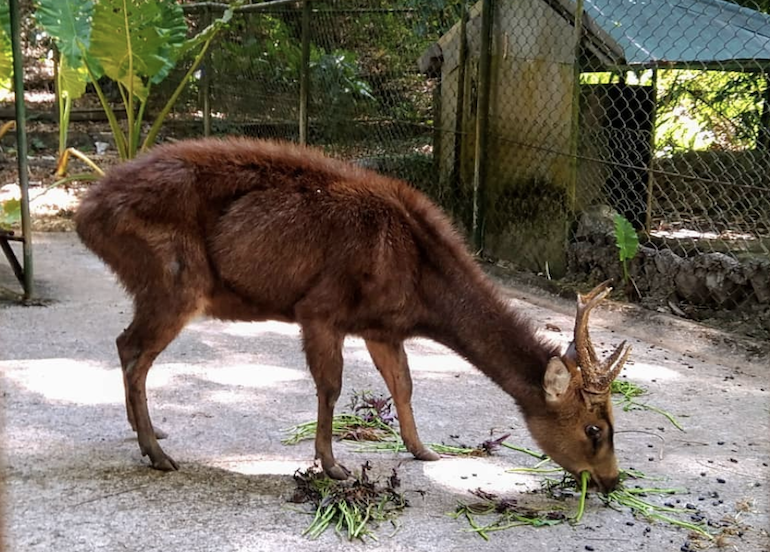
column 576, row 427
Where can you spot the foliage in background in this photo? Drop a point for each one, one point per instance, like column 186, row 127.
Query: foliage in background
column 362, row 66
column 436, row 17
column 68, row 22
column 700, row 110
column 6, row 55
column 133, row 43
column 266, row 50
column 708, row 110
column 10, row 210
column 759, row 5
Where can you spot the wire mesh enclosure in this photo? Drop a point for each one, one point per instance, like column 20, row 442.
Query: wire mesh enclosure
column 348, row 68
column 538, row 124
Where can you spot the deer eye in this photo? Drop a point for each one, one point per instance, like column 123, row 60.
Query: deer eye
column 594, row 432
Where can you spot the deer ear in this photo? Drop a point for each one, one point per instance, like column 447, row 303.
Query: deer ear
column 557, row 380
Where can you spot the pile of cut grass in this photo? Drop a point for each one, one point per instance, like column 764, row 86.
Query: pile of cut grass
column 503, row 514
column 370, row 419
column 371, row 427
column 355, row 508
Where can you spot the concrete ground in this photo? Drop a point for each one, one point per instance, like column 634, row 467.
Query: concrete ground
column 75, row 480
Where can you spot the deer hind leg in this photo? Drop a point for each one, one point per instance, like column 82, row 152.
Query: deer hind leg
column 323, row 349
column 390, row 360
column 155, row 325
column 126, row 356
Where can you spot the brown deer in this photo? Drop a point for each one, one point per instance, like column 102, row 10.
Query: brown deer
column 239, row 229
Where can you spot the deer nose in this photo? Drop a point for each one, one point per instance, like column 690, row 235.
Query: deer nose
column 606, row 484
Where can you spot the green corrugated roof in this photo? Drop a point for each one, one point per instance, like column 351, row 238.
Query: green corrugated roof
column 709, row 33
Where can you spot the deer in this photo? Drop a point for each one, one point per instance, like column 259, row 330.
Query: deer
column 242, row 229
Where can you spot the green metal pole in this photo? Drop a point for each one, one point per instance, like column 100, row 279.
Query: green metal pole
column 763, row 136
column 456, row 179
column 304, row 75
column 651, row 167
column 482, row 120
column 21, row 145
column 575, row 126
column 206, row 80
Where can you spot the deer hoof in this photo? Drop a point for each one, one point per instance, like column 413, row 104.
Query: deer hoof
column 337, row 471
column 166, row 463
column 426, row 455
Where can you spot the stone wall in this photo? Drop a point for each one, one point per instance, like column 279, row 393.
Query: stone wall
column 709, row 279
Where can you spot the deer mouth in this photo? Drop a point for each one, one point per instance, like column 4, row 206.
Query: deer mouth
column 603, row 484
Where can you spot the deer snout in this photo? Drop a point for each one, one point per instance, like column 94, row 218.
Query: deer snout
column 605, row 483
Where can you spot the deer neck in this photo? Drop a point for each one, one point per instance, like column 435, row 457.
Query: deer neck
column 474, row 321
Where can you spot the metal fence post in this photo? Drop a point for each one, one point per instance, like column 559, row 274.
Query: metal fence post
column 462, row 57
column 304, row 76
column 763, row 137
column 206, row 80
column 21, row 146
column 482, row 119
column 651, row 168
column 575, row 116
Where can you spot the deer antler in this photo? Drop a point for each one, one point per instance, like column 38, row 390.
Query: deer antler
column 597, row 376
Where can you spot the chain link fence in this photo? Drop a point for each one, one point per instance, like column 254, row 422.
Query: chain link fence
column 365, row 98
column 534, row 122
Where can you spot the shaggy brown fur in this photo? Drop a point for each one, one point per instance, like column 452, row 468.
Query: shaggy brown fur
column 253, row 230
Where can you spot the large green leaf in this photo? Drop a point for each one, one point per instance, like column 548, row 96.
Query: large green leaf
column 626, row 239
column 136, row 41
column 73, row 81
column 69, row 24
column 6, row 55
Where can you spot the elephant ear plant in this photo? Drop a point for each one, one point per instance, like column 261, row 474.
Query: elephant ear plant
column 68, row 22
column 10, row 209
column 627, row 243
column 6, row 55
column 134, row 43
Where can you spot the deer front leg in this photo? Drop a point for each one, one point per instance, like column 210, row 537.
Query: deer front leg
column 390, row 360
column 323, row 349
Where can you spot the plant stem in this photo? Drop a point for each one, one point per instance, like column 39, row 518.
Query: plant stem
column 65, row 104
column 117, row 132
column 80, row 155
column 584, row 477
column 534, row 470
column 538, row 455
column 155, row 128
column 129, row 103
column 138, row 123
